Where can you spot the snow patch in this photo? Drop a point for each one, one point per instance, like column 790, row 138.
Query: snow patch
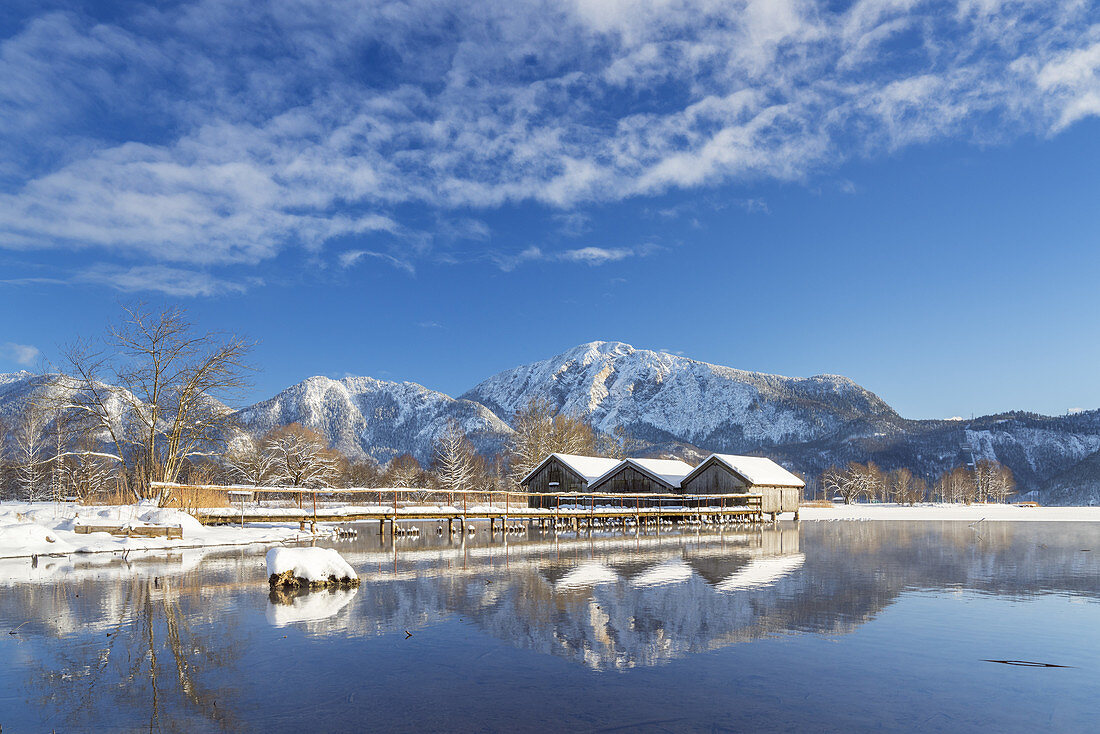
column 314, row 565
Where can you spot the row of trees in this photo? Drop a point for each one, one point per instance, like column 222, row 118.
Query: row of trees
column 988, row 481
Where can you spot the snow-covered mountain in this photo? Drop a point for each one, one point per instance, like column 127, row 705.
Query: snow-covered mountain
column 661, row 397
column 362, row 416
column 676, row 406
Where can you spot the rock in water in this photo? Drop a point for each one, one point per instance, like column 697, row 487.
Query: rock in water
column 308, row 568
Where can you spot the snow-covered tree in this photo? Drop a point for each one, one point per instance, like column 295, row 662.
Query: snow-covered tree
column 852, row 482
column 32, row 454
column 300, row 457
column 455, row 458
column 249, row 463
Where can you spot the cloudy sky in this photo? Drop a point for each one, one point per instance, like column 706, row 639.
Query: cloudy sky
column 903, row 192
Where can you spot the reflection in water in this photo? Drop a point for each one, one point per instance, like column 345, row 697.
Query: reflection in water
column 158, row 641
column 303, row 605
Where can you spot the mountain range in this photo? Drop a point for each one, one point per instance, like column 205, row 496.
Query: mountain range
column 682, row 407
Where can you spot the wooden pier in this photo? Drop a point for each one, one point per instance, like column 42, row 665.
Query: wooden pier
column 390, row 506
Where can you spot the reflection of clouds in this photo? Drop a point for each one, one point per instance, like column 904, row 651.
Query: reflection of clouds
column 761, row 572
column 310, row 607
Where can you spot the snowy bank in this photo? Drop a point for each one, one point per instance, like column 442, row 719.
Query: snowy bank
column 965, row 513
column 308, row 567
column 48, row 528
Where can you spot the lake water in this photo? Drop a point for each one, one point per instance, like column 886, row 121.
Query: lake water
column 836, row 626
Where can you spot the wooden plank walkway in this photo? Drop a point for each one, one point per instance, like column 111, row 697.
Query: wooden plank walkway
column 130, row 531
column 568, row 515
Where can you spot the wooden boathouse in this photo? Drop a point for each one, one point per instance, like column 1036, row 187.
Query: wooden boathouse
column 564, row 473
column 651, row 476
column 727, row 474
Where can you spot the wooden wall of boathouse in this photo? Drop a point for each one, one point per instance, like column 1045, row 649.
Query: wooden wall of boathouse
column 628, row 479
column 544, row 480
column 717, row 478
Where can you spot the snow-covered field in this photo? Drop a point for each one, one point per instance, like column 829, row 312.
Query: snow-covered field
column 968, row 513
column 47, row 528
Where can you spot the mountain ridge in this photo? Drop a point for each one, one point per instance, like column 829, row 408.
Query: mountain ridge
column 676, row 406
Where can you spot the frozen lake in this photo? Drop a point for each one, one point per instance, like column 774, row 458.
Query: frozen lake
column 835, row 626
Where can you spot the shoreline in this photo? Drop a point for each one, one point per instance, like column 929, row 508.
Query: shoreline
column 48, row 529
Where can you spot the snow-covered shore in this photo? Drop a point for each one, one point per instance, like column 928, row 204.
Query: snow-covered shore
column 47, row 528
column 967, row 513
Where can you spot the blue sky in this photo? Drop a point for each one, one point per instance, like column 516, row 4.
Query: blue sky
column 900, row 192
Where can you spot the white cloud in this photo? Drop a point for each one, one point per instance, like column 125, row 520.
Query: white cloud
column 203, row 153
column 161, row 279
column 351, row 257
column 21, row 354
column 581, row 255
column 596, row 255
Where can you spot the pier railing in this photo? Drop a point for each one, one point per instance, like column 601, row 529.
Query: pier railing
column 268, row 504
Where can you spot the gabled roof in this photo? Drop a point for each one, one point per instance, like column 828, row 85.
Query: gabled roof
column 756, row 470
column 667, row 471
column 588, row 467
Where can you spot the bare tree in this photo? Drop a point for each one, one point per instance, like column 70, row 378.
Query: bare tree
column 957, row 485
column 878, row 482
column 541, row 430
column 362, row 474
column 995, row 481
column 906, row 487
column 619, row 444
column 151, row 388
column 455, row 458
column 403, row 471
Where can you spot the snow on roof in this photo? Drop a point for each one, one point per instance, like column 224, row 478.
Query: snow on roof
column 670, row 471
column 589, row 467
column 758, row 470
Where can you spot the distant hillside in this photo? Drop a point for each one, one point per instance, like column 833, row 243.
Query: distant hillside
column 362, row 416
column 662, row 397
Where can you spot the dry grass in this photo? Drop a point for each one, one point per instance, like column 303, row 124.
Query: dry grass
column 116, row 496
column 817, row 503
column 195, row 498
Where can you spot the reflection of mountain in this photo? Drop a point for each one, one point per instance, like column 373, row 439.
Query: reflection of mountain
column 607, row 602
